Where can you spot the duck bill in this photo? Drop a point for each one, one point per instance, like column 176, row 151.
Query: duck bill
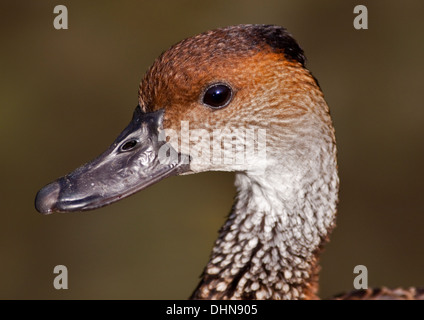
column 138, row 158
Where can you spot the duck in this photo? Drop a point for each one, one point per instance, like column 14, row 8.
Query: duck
column 237, row 99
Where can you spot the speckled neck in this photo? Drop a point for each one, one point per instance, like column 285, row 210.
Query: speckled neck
column 269, row 246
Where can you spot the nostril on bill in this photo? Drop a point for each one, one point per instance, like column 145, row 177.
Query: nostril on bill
column 47, row 198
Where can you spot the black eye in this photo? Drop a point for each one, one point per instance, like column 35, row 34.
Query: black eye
column 129, row 145
column 217, row 96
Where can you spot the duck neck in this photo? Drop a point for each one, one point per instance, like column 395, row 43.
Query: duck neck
column 268, row 248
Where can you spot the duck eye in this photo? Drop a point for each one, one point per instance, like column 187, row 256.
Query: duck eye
column 217, row 96
column 129, row 145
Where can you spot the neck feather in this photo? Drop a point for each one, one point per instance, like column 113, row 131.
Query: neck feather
column 268, row 248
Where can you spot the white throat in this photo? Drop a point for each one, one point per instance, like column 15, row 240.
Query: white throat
column 268, row 248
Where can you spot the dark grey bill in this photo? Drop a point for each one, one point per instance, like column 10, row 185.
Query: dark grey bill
column 138, row 158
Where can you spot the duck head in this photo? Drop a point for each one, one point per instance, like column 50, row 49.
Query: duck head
column 232, row 99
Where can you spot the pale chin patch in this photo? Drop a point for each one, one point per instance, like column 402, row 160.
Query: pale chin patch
column 238, row 149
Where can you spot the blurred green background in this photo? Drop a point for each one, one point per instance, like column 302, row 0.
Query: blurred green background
column 65, row 95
